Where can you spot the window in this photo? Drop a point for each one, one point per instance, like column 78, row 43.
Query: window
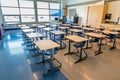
column 24, row 3
column 24, row 10
column 42, row 5
column 55, row 12
column 48, row 11
column 27, row 11
column 28, row 18
column 54, row 5
column 13, row 3
column 43, row 18
column 43, row 12
column 10, row 11
column 11, row 18
column 52, row 18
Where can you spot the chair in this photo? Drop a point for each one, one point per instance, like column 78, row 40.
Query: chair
column 88, row 26
column 59, row 39
column 51, row 54
column 80, row 34
column 111, row 37
column 95, row 40
column 80, row 45
column 102, row 28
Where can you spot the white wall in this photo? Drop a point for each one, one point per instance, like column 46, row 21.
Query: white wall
column 114, row 9
column 76, row 1
column 82, row 11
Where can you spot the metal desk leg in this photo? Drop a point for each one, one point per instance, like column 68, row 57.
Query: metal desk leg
column 43, row 59
column 46, row 34
column 87, row 47
column 69, row 50
column 100, row 45
column 61, row 42
column 80, row 57
column 114, row 44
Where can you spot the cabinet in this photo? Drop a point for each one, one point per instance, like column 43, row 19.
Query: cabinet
column 64, row 11
column 96, row 14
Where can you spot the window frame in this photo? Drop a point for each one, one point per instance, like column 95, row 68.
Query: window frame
column 35, row 8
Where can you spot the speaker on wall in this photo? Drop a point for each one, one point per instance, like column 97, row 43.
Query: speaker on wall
column 108, row 16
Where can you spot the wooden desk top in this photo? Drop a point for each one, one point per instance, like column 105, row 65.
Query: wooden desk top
column 25, row 27
column 95, row 35
column 54, row 25
column 21, row 25
column 48, row 29
column 46, row 44
column 65, row 24
column 76, row 38
column 47, row 24
column 41, row 26
column 28, row 30
column 64, row 27
column 57, row 32
column 76, row 26
column 75, row 30
column 116, row 29
column 97, row 27
column 88, row 28
column 110, row 32
column 34, row 35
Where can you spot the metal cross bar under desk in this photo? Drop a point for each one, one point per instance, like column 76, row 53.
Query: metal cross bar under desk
column 77, row 39
column 47, row 45
column 114, row 33
column 75, row 31
column 95, row 35
column 48, row 29
column 33, row 37
column 64, row 29
column 41, row 28
column 58, row 33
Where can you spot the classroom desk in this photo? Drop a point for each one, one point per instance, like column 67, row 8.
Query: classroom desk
column 47, row 45
column 89, row 29
column 114, row 33
column 64, row 28
column 28, row 30
column 95, row 35
column 65, row 25
column 97, row 28
column 58, row 33
column 76, row 27
column 25, row 27
column 77, row 39
column 47, row 24
column 41, row 28
column 47, row 30
column 32, row 37
column 75, row 31
column 116, row 29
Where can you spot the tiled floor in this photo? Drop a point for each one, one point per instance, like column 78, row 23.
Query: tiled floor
column 105, row 66
column 14, row 65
